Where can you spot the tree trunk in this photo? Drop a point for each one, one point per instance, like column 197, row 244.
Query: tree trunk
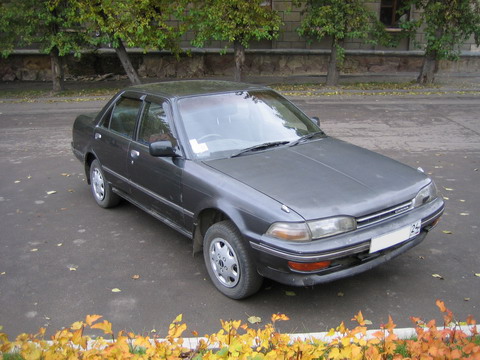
column 333, row 72
column 57, row 70
column 429, row 68
column 127, row 64
column 239, row 51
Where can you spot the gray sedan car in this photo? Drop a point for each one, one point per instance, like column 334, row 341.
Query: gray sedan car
column 255, row 183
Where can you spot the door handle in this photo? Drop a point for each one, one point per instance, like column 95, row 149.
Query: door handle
column 134, row 154
column 98, row 136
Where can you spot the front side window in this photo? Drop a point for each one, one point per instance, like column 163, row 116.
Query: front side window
column 221, row 125
column 124, row 116
column 154, row 125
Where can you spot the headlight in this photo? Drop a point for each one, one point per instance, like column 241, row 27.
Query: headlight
column 331, row 226
column 314, row 229
column 425, row 195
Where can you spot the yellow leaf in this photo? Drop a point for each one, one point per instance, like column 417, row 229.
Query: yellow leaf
column 3, row 273
column 90, row 319
column 283, row 317
column 16, row 181
column 177, row 331
column 359, row 318
column 290, row 293
column 254, row 320
column 77, row 325
column 477, row 274
column 72, row 268
column 178, row 318
column 34, row 250
column 447, row 232
column 106, row 326
column 438, row 276
column 448, row 189
column 464, row 214
column 116, row 290
column 79, row 339
column 340, row 294
column 51, row 192
column 59, row 244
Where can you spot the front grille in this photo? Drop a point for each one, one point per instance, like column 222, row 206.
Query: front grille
column 385, row 214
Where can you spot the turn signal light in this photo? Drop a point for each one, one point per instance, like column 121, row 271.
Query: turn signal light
column 309, row 266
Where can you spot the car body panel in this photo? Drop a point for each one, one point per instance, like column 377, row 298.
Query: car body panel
column 362, row 181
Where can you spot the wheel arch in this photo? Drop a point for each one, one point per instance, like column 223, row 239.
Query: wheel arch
column 206, row 218
column 89, row 158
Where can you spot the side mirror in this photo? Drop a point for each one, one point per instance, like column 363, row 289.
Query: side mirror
column 163, row 148
column 315, row 120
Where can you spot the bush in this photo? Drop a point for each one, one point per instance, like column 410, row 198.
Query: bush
column 237, row 340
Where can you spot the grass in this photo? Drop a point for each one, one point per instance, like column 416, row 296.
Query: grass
column 410, row 85
column 307, row 89
column 35, row 94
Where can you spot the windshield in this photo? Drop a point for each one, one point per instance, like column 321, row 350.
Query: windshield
column 222, row 125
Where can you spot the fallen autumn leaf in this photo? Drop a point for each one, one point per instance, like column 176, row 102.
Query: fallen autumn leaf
column 254, row 320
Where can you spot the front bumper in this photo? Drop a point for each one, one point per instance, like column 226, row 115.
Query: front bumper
column 349, row 253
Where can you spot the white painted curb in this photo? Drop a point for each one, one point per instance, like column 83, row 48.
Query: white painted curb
column 403, row 333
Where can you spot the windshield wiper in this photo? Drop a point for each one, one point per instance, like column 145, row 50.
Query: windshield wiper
column 260, row 147
column 306, row 137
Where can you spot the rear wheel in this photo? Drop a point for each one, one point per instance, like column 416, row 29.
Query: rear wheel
column 101, row 189
column 228, row 261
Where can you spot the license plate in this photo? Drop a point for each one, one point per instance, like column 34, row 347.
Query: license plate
column 395, row 237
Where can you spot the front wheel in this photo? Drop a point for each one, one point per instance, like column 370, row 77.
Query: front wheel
column 101, row 189
column 228, row 261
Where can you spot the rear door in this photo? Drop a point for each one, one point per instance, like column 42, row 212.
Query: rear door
column 156, row 181
column 113, row 137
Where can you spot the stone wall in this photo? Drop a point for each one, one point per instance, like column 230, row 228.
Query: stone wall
column 34, row 66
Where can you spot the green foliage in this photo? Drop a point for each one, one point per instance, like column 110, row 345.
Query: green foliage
column 341, row 20
column 232, row 21
column 48, row 23
column 139, row 23
column 446, row 24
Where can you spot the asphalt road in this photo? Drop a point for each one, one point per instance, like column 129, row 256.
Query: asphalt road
column 61, row 255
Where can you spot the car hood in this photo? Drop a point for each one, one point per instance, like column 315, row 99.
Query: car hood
column 325, row 177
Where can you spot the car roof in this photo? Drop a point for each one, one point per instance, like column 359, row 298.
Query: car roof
column 183, row 88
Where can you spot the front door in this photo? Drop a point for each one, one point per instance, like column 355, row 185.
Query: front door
column 156, row 181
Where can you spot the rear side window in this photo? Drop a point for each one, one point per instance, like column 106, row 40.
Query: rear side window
column 124, row 116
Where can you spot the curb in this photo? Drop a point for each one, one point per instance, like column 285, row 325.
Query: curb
column 402, row 334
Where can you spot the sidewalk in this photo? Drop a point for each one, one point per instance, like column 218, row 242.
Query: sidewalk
column 444, row 81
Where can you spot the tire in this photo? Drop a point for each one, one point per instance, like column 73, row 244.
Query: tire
column 101, row 189
column 228, row 261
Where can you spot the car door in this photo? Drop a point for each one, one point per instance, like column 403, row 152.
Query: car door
column 156, row 181
column 113, row 137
